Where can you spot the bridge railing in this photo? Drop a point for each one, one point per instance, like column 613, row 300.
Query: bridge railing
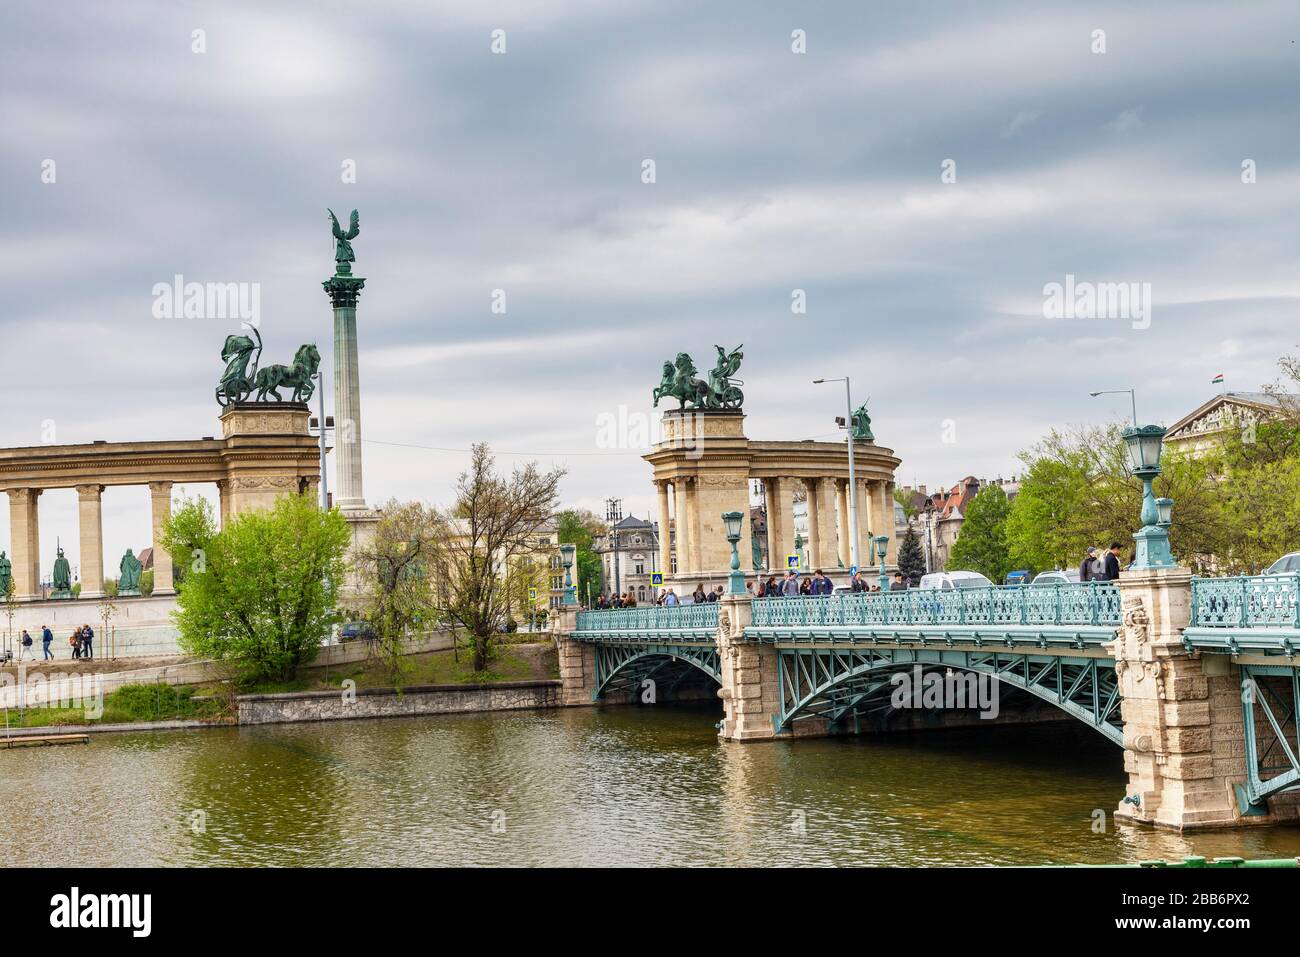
column 1091, row 604
column 1246, row 601
column 697, row 619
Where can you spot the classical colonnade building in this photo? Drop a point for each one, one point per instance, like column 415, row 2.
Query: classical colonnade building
column 706, row 464
column 264, row 451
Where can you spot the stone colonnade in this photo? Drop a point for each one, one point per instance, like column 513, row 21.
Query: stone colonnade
column 704, row 465
column 265, row 452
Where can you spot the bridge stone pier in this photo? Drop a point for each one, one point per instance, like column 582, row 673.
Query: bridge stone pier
column 1196, row 679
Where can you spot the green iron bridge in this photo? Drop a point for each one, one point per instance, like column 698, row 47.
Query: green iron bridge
column 836, row 654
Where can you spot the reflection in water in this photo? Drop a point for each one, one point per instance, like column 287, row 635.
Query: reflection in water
column 620, row 785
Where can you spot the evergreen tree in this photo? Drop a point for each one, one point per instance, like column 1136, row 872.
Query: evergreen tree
column 981, row 544
column 911, row 560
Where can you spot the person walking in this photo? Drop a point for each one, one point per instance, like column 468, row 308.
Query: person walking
column 74, row 642
column 46, row 637
column 790, row 587
column 898, row 584
column 25, row 642
column 697, row 596
column 87, row 637
column 1088, row 567
column 670, row 598
column 822, row 585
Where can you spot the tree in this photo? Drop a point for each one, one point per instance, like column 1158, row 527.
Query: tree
column 904, row 498
column 1076, row 491
column 397, row 580
column 260, row 592
column 493, row 522
column 982, row 542
column 911, row 559
column 580, row 527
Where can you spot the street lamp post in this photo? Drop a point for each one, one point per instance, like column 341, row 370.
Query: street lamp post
column 881, row 543
column 567, row 553
column 325, row 424
column 1132, row 395
column 1152, row 540
column 736, row 581
column 853, row 482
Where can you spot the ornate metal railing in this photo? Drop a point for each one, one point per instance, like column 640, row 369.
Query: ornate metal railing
column 695, row 620
column 1092, row 604
column 1248, row 601
column 1248, row 613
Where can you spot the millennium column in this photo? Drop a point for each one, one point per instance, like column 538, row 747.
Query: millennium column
column 343, row 289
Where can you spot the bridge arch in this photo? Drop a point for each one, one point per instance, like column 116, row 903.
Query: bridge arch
column 835, row 685
column 625, row 667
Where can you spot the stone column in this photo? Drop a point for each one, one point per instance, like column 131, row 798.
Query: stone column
column 692, row 521
column 779, row 493
column 814, row 524
column 866, row 522
column 343, row 291
column 223, row 499
column 160, row 495
column 1183, row 727
column 665, row 531
column 25, row 542
column 91, row 539
column 885, row 508
column 822, row 491
column 842, row 521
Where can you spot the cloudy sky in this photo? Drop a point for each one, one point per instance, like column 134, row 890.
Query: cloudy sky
column 775, row 171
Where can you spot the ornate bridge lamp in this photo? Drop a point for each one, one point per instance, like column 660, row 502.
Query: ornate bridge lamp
column 736, row 581
column 1144, row 446
column 567, row 553
column 880, row 544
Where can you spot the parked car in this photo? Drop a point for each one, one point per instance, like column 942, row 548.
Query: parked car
column 1284, row 565
column 951, row 580
column 1068, row 576
column 352, row 630
column 1018, row 578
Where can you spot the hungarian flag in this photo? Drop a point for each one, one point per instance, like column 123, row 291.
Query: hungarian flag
column 1217, row 380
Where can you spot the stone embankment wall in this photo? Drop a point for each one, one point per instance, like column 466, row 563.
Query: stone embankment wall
column 386, row 703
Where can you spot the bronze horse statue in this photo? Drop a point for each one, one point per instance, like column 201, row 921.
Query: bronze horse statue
column 299, row 376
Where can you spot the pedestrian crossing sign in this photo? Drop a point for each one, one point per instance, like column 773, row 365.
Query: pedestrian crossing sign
column 532, row 594
column 656, row 578
column 792, row 561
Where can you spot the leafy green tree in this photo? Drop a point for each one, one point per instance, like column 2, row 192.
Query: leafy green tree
column 260, row 592
column 911, row 559
column 982, row 542
column 1076, row 491
column 580, row 527
column 397, row 582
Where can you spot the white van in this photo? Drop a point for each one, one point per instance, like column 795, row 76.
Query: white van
column 951, row 580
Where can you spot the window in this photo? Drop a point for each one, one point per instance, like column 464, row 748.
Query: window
column 640, row 593
column 640, row 568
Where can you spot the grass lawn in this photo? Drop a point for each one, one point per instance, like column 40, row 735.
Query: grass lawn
column 143, row 702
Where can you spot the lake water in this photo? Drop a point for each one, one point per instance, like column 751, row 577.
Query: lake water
column 615, row 785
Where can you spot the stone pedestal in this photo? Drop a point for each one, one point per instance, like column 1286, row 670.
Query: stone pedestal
column 254, row 479
column 577, row 660
column 751, row 690
column 1183, row 726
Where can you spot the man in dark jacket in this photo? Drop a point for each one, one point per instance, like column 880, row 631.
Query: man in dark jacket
column 1085, row 567
column 898, row 584
column 1110, row 567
